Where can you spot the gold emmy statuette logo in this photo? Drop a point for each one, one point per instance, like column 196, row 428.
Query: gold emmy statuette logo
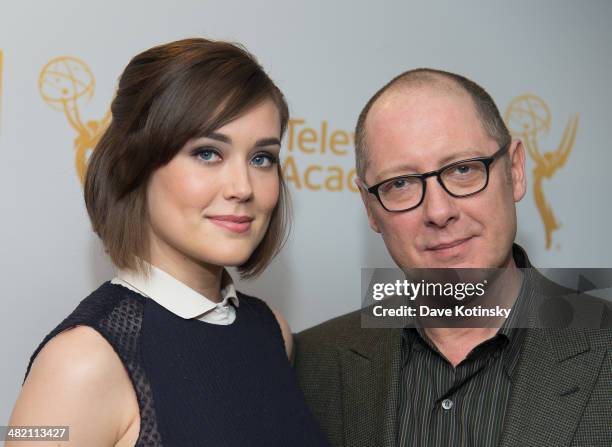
column 65, row 84
column 528, row 117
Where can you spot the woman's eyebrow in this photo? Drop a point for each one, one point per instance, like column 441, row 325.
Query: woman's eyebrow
column 219, row 137
column 267, row 142
column 272, row 141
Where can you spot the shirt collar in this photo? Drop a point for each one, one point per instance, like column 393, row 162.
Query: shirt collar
column 512, row 329
column 175, row 296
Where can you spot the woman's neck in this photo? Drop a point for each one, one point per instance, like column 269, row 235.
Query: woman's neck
column 202, row 277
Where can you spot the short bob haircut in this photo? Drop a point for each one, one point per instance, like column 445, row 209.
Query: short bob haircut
column 166, row 96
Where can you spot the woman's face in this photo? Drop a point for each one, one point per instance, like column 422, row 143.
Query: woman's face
column 213, row 201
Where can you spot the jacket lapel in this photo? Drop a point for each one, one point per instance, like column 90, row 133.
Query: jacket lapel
column 553, row 381
column 370, row 382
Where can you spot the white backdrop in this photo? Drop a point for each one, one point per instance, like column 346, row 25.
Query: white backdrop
column 329, row 58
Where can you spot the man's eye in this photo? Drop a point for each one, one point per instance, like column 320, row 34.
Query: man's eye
column 397, row 185
column 463, row 169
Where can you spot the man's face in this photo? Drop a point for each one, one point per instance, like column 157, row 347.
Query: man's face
column 420, row 130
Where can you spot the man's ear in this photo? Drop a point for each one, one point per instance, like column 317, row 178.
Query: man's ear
column 366, row 199
column 517, row 169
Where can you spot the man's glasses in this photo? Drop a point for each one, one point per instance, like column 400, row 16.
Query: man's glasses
column 459, row 179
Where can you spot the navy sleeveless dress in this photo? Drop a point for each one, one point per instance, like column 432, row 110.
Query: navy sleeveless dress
column 201, row 384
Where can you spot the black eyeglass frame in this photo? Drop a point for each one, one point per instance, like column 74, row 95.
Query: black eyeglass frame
column 487, row 161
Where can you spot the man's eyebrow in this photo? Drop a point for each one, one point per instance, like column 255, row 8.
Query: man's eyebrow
column 226, row 139
column 394, row 171
column 463, row 155
column 408, row 168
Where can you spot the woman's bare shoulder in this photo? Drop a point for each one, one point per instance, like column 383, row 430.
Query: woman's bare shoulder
column 78, row 380
column 285, row 331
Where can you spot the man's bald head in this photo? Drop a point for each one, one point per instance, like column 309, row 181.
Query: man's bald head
column 441, row 82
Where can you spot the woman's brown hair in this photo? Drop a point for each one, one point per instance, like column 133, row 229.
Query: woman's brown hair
column 166, row 96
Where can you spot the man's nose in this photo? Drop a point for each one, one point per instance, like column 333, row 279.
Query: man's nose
column 238, row 184
column 439, row 207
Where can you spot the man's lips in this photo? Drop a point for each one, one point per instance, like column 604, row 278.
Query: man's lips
column 233, row 223
column 447, row 245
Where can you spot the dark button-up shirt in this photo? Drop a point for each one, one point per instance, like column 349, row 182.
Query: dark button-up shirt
column 442, row 405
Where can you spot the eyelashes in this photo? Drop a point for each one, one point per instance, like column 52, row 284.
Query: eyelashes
column 210, row 156
column 206, row 154
column 264, row 160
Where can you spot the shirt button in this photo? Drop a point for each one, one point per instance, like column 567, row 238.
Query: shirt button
column 447, row 404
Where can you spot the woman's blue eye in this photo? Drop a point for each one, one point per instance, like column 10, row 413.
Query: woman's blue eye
column 263, row 160
column 207, row 155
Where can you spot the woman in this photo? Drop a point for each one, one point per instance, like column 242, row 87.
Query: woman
column 184, row 182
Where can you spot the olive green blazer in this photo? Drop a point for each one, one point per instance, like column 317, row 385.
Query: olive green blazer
column 561, row 394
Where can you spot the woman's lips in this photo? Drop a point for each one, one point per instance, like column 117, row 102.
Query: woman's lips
column 235, row 224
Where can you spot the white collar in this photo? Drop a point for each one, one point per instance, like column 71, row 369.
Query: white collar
column 175, row 296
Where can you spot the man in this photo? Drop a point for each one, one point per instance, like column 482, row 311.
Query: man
column 506, row 385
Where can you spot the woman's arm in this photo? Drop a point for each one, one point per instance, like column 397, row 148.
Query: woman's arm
column 77, row 380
